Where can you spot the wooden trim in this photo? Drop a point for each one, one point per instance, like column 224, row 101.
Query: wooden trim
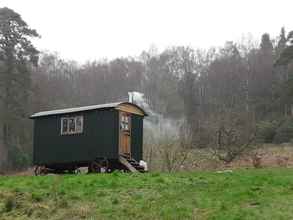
column 130, row 109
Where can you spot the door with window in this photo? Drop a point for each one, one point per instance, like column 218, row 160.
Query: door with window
column 124, row 133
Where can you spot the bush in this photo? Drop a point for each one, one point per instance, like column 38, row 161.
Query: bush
column 284, row 132
column 266, row 131
column 17, row 158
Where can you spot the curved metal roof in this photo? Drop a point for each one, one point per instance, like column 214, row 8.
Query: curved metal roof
column 83, row 108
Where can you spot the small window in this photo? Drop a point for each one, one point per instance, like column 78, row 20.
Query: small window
column 79, row 124
column 64, row 126
column 125, row 120
column 71, row 125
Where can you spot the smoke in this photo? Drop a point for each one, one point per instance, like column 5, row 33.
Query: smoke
column 156, row 126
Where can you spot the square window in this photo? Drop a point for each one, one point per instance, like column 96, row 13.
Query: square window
column 73, row 125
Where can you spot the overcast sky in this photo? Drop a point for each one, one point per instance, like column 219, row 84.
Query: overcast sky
column 93, row 29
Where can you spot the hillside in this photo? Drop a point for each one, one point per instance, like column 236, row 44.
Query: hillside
column 241, row 194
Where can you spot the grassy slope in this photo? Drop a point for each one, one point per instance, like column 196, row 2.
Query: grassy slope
column 243, row 194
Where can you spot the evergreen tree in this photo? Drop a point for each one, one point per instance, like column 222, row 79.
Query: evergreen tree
column 264, row 78
column 281, row 42
column 287, row 54
column 16, row 56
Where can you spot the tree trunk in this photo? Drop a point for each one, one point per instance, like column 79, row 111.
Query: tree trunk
column 3, row 152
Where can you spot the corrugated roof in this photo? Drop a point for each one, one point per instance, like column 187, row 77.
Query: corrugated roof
column 80, row 109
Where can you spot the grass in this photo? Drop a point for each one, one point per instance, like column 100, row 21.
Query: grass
column 243, row 194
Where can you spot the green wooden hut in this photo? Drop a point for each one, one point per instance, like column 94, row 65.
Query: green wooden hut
column 100, row 137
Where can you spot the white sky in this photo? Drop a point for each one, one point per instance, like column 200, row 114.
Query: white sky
column 93, row 29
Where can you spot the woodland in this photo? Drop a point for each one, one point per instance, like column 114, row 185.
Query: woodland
column 228, row 98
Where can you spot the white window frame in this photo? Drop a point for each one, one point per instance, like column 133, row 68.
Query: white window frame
column 125, row 123
column 75, row 131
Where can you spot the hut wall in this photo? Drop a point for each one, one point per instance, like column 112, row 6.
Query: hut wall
column 99, row 138
column 137, row 137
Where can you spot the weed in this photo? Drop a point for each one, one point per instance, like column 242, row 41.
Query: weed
column 36, row 197
column 115, row 201
column 101, row 194
column 62, row 203
column 155, row 174
column 9, row 204
column 160, row 180
column 116, row 173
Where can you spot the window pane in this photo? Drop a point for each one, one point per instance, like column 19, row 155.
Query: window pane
column 64, row 128
column 71, row 125
column 79, row 124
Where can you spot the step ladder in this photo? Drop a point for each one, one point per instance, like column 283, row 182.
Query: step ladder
column 131, row 164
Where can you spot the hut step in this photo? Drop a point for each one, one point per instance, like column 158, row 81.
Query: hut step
column 127, row 164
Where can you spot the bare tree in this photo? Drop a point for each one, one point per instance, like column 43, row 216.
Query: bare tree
column 234, row 134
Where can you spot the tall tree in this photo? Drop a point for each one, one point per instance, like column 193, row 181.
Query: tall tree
column 282, row 98
column 281, row 45
column 287, row 54
column 263, row 77
column 16, row 55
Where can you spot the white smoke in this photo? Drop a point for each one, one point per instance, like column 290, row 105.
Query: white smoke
column 155, row 124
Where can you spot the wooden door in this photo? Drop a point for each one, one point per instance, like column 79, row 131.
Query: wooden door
column 125, row 133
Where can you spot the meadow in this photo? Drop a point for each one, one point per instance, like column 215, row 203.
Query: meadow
column 240, row 194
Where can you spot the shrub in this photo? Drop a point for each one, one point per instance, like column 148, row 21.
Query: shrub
column 18, row 158
column 256, row 160
column 266, row 131
column 284, row 132
column 234, row 134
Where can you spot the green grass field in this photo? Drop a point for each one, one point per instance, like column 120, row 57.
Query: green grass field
column 243, row 194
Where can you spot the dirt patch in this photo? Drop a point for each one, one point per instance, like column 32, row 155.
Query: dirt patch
column 27, row 172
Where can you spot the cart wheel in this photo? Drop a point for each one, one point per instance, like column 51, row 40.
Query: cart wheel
column 104, row 163
column 77, row 171
column 99, row 166
column 40, row 170
column 37, row 170
column 94, row 167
